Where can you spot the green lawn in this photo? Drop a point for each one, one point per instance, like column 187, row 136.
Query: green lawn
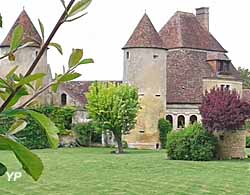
column 95, row 171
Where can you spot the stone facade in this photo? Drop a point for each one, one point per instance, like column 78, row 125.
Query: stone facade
column 145, row 68
column 231, row 145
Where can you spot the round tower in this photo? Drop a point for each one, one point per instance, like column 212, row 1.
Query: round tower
column 25, row 56
column 145, row 67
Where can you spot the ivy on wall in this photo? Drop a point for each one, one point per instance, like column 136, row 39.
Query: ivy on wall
column 33, row 135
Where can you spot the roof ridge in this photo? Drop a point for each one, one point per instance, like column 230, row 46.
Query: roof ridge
column 144, row 35
column 30, row 32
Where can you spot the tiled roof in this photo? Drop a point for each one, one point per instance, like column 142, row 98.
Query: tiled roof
column 77, row 89
column 185, row 72
column 144, row 35
column 30, row 32
column 183, row 30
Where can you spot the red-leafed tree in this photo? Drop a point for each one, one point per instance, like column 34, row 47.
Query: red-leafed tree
column 223, row 110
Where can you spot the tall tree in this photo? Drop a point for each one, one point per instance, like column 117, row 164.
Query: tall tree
column 113, row 107
column 245, row 76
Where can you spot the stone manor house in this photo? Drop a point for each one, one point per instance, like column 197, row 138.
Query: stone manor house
column 171, row 68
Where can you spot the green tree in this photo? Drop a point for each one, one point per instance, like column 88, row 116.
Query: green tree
column 113, row 107
column 164, row 127
column 245, row 76
column 14, row 86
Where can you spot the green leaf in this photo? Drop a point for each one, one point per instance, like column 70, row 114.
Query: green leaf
column 75, row 57
column 49, row 127
column 86, row 61
column 69, row 77
column 22, row 92
column 3, row 169
column 16, row 127
column 79, row 6
column 41, row 28
column 11, row 73
column 31, row 163
column 30, row 78
column 54, row 87
column 58, row 47
column 16, row 38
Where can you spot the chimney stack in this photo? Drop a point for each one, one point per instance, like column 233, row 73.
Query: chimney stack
column 202, row 15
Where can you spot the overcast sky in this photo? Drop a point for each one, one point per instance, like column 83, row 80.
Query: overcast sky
column 109, row 23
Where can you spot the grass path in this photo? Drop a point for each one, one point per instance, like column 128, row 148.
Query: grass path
column 90, row 171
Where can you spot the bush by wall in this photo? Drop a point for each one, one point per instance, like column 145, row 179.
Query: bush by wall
column 164, row 127
column 191, row 143
column 247, row 142
column 86, row 134
column 33, row 135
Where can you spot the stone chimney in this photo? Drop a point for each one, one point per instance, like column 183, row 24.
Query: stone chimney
column 202, row 15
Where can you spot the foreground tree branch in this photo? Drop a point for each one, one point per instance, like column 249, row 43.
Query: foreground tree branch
column 40, row 53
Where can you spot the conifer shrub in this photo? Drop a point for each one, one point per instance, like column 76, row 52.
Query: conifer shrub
column 164, row 127
column 191, row 143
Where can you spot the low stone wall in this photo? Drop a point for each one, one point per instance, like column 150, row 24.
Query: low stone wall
column 231, row 145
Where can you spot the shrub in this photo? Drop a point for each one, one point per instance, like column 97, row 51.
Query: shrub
column 164, row 127
column 83, row 133
column 247, row 142
column 191, row 143
column 223, row 110
column 33, row 136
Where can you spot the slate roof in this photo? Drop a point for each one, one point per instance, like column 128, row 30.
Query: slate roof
column 144, row 35
column 30, row 32
column 183, row 30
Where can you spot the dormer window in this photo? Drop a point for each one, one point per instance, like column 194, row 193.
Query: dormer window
column 223, row 66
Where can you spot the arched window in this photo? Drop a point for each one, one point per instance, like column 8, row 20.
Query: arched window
column 170, row 119
column 181, row 121
column 63, row 99
column 193, row 119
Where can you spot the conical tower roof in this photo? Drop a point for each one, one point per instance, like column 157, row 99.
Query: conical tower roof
column 144, row 35
column 30, row 32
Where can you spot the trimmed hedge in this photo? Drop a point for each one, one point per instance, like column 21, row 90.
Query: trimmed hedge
column 191, row 143
column 33, row 136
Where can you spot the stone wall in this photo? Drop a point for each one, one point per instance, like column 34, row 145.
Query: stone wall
column 231, row 144
column 209, row 83
column 24, row 59
column 145, row 68
column 186, row 110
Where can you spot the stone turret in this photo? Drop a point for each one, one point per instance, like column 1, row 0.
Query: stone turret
column 145, row 68
column 25, row 56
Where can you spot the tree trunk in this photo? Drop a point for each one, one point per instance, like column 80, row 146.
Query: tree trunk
column 118, row 139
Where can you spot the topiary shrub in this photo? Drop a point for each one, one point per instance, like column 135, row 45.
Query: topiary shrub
column 191, row 143
column 164, row 127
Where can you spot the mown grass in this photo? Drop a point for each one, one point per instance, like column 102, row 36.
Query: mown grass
column 81, row 171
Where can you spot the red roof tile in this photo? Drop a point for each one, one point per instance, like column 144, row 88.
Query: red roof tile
column 144, row 35
column 183, row 30
column 30, row 32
